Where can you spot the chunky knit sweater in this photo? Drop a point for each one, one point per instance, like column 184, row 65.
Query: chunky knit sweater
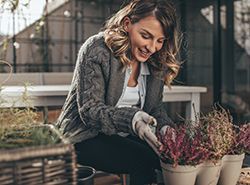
column 96, row 87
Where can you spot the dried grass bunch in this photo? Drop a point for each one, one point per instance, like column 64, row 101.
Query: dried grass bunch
column 217, row 132
column 20, row 127
column 16, row 118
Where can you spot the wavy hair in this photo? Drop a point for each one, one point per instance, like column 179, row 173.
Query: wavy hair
column 117, row 38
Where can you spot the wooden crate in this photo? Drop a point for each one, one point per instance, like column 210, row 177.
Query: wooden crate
column 50, row 165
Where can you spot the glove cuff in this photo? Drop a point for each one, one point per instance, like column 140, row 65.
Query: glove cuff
column 135, row 119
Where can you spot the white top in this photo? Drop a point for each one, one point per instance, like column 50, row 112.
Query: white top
column 135, row 94
column 130, row 97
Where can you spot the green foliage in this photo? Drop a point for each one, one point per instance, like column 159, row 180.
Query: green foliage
column 13, row 118
column 29, row 136
column 19, row 126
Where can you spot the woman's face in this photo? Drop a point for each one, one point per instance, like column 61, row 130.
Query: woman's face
column 146, row 37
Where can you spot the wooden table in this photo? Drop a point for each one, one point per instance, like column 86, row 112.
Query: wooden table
column 55, row 95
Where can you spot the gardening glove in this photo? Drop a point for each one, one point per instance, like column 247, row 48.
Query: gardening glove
column 141, row 124
column 167, row 128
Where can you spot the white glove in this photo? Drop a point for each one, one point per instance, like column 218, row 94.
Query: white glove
column 167, row 128
column 141, row 126
column 163, row 129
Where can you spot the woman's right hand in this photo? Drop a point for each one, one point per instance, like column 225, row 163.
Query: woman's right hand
column 141, row 126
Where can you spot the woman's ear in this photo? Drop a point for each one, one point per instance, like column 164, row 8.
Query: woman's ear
column 126, row 23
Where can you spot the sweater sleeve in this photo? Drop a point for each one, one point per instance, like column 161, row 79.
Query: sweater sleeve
column 159, row 112
column 91, row 92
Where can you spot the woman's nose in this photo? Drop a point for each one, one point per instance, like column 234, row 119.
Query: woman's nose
column 151, row 47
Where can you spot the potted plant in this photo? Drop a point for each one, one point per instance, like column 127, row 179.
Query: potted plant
column 241, row 140
column 217, row 130
column 198, row 145
column 217, row 133
column 232, row 161
column 181, row 154
column 226, row 144
column 30, row 152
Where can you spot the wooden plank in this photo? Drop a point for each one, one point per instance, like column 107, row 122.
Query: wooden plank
column 63, row 78
column 21, row 78
column 49, row 78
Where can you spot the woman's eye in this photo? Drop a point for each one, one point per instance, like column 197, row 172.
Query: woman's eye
column 161, row 41
column 145, row 36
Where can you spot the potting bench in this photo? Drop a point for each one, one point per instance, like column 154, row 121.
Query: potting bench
column 55, row 95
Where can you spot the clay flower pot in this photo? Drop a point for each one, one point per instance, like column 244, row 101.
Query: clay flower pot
column 209, row 173
column 179, row 175
column 231, row 167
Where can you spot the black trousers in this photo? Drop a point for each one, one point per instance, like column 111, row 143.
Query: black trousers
column 116, row 154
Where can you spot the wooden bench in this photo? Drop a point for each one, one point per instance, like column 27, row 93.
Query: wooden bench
column 51, row 89
column 31, row 79
column 47, row 78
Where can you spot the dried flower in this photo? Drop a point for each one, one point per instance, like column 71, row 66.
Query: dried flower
column 209, row 138
column 217, row 132
column 241, row 142
column 182, row 146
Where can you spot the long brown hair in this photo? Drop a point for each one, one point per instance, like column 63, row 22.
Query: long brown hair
column 117, row 39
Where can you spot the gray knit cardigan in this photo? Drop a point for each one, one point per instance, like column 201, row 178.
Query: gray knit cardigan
column 96, row 87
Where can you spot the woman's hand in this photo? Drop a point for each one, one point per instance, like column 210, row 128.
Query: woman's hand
column 141, row 126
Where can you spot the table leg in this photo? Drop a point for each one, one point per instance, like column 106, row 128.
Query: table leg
column 193, row 107
column 45, row 114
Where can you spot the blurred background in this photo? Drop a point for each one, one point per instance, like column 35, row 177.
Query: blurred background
column 45, row 36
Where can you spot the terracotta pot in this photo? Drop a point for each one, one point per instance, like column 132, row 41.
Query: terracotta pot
column 180, row 175
column 208, row 173
column 231, row 167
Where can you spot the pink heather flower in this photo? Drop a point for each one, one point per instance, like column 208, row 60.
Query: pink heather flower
column 182, row 146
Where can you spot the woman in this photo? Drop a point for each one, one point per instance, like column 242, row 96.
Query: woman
column 135, row 52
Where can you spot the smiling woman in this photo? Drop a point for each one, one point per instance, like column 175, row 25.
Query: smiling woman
column 146, row 37
column 136, row 51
